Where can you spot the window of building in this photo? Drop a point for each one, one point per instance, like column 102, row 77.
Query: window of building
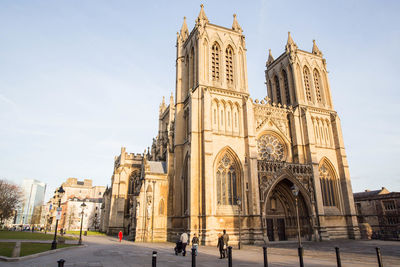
column 328, row 185
column 229, row 65
column 215, row 62
column 161, row 207
column 278, row 90
column 227, row 179
column 306, row 74
column 389, row 205
column 317, row 85
column 286, row 84
column 270, row 148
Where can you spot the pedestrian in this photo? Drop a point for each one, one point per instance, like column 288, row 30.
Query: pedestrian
column 184, row 240
column 220, row 246
column 195, row 243
column 120, row 236
column 225, row 237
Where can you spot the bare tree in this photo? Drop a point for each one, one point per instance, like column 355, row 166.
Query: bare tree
column 10, row 199
column 94, row 221
column 71, row 217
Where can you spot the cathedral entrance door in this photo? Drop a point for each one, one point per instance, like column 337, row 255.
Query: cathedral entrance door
column 281, row 229
column 270, row 229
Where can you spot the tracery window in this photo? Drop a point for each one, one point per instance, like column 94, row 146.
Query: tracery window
column 317, row 85
column 286, row 83
column 306, row 74
column 215, row 62
column 229, row 65
column 227, row 178
column 329, row 185
column 278, row 90
column 270, row 148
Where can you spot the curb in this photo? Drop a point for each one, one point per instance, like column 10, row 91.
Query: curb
column 44, row 253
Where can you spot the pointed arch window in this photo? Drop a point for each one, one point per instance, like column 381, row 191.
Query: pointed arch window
column 229, row 65
column 317, row 85
column 161, row 207
column 329, row 185
column 227, row 179
column 306, row 74
column 278, row 90
column 286, row 84
column 215, row 62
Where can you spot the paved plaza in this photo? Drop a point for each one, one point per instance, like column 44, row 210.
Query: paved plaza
column 107, row 251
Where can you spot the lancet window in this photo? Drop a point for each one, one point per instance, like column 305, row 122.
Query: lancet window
column 317, row 85
column 229, row 65
column 286, row 84
column 329, row 185
column 161, row 207
column 278, row 90
column 227, row 179
column 306, row 74
column 215, row 62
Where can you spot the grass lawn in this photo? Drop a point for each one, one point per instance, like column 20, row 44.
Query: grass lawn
column 88, row 233
column 33, row 248
column 6, row 249
column 29, row 235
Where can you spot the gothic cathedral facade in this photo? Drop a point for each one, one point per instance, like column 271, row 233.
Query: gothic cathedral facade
column 224, row 161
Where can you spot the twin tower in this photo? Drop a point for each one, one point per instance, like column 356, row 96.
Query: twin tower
column 232, row 162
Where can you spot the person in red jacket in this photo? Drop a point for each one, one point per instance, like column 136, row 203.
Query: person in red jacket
column 120, row 236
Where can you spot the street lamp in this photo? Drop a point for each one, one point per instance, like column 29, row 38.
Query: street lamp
column 295, row 191
column 60, row 192
column 239, row 203
column 83, row 205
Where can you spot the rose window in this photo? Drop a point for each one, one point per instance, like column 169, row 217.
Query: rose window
column 270, row 148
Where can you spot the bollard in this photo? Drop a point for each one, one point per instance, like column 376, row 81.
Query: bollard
column 229, row 256
column 301, row 256
column 265, row 256
column 61, row 263
column 339, row 262
column 379, row 256
column 154, row 259
column 193, row 257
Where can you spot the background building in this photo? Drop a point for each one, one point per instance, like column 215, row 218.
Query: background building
column 381, row 210
column 33, row 192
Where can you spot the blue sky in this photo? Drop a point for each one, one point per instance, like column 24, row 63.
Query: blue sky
column 80, row 79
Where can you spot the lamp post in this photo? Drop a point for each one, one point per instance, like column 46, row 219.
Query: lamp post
column 239, row 203
column 295, row 191
column 83, row 205
column 60, row 192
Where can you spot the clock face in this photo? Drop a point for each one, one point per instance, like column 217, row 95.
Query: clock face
column 270, row 148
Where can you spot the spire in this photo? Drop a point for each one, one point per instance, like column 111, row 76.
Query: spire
column 171, row 100
column 290, row 45
column 184, row 30
column 270, row 58
column 315, row 49
column 202, row 18
column 235, row 26
column 162, row 105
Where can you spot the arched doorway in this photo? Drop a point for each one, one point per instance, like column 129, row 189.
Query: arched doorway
column 280, row 213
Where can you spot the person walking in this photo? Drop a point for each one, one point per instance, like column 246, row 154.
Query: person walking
column 220, row 246
column 184, row 240
column 195, row 243
column 225, row 237
column 120, row 236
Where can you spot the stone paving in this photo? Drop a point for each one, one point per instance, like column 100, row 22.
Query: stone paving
column 107, row 251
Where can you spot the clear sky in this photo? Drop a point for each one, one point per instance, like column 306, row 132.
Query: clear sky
column 79, row 79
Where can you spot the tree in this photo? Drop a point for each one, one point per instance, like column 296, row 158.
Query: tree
column 94, row 221
column 10, row 199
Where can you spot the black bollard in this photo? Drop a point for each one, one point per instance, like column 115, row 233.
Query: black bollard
column 154, row 259
column 61, row 263
column 193, row 257
column 265, row 256
column 229, row 256
column 301, row 256
column 339, row 262
column 378, row 254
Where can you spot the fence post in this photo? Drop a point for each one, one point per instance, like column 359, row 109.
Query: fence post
column 229, row 256
column 61, row 263
column 379, row 256
column 265, row 256
column 193, row 257
column 339, row 262
column 154, row 259
column 301, row 251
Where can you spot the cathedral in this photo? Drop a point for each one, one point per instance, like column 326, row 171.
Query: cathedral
column 222, row 160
